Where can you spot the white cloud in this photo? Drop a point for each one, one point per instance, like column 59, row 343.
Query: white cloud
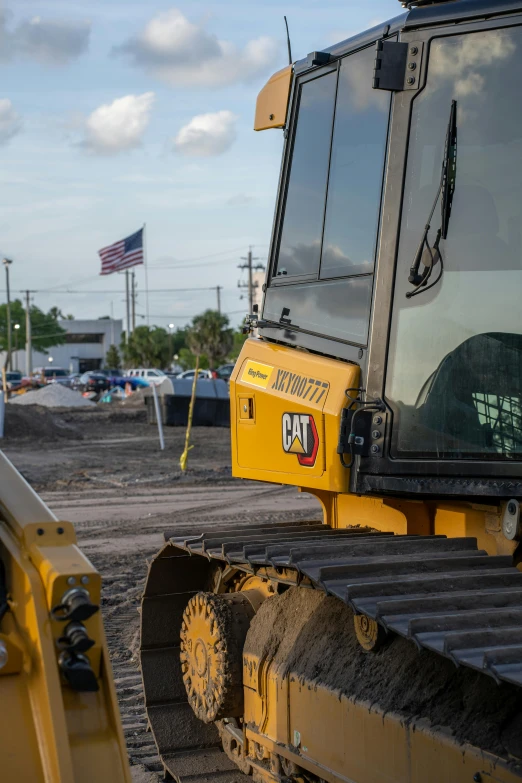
column 463, row 58
column 10, row 121
column 240, row 200
column 183, row 53
column 207, row 134
column 118, row 126
column 53, row 42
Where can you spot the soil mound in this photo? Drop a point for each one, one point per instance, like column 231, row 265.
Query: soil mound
column 53, row 396
column 37, row 423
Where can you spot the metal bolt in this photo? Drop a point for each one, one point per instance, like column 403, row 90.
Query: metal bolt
column 271, row 117
column 375, row 449
column 377, row 419
column 412, row 66
column 4, row 657
column 414, row 50
column 361, row 353
column 477, row 777
column 60, row 531
column 410, row 80
column 376, row 434
column 84, row 580
column 245, row 408
column 71, row 580
column 512, row 509
column 40, row 531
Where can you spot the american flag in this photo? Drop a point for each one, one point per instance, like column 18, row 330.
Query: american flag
column 123, row 254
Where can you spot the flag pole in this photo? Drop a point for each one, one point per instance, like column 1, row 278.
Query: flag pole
column 127, row 302
column 146, row 275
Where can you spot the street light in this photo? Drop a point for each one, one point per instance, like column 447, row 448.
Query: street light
column 7, row 262
column 16, row 328
column 171, row 327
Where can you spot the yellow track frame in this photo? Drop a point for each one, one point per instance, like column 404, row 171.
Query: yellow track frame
column 48, row 731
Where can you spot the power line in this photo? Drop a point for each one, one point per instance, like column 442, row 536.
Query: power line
column 178, row 317
column 174, row 264
column 117, row 291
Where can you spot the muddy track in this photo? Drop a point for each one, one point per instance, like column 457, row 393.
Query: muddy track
column 123, row 582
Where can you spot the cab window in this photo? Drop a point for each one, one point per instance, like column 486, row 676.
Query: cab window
column 331, row 215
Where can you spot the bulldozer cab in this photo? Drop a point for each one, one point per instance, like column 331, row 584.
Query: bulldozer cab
column 397, row 243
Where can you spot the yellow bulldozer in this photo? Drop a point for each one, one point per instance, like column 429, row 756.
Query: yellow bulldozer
column 382, row 644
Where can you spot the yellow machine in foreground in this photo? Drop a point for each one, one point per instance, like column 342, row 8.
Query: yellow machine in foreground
column 59, row 719
column 382, row 644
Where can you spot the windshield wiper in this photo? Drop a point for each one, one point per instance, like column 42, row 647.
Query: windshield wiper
column 430, row 256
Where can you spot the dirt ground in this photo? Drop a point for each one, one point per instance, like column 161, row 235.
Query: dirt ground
column 102, row 469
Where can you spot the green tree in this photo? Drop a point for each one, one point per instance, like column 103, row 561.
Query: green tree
column 179, row 340
column 58, row 314
column 187, row 360
column 210, row 334
column 239, row 340
column 45, row 330
column 113, row 360
column 148, row 346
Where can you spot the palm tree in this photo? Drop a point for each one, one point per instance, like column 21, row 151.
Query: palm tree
column 210, row 335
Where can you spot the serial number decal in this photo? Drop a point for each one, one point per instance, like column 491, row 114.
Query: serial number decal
column 300, row 386
column 257, row 374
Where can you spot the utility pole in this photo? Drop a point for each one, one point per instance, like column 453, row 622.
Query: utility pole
column 133, row 300
column 16, row 328
column 28, row 345
column 218, row 292
column 7, row 262
column 112, row 322
column 249, row 266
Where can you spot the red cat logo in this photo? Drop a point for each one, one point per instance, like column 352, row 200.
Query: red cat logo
column 300, row 437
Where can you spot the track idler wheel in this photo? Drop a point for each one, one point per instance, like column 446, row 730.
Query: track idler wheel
column 370, row 635
column 213, row 634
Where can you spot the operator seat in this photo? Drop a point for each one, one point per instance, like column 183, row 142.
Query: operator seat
column 475, row 398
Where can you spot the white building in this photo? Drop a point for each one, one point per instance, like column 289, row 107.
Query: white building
column 85, row 347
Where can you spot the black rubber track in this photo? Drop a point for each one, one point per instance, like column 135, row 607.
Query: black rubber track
column 444, row 594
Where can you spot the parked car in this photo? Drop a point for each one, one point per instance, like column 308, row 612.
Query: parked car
column 189, row 374
column 13, row 379
column 52, row 375
column 148, row 374
column 225, row 371
column 93, row 382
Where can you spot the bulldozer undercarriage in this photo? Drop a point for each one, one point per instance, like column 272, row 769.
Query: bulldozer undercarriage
column 307, row 652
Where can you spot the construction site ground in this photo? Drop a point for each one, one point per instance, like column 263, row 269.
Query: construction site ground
column 102, row 469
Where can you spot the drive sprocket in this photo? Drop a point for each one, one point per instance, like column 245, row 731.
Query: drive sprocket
column 213, row 634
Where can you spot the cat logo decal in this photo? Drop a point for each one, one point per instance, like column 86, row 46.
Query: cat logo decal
column 300, row 438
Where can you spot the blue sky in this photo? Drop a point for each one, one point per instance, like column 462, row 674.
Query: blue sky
column 118, row 112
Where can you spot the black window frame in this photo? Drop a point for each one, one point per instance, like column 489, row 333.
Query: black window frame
column 319, row 73
column 300, row 337
column 272, row 278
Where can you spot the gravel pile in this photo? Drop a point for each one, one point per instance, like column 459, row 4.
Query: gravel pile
column 53, row 396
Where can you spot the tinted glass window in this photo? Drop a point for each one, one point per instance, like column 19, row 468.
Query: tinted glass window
column 334, row 309
column 455, row 365
column 300, row 246
column 356, row 170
